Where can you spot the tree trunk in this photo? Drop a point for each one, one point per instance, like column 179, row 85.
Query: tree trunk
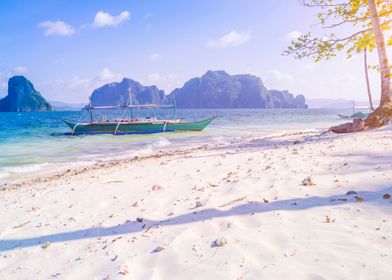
column 383, row 114
column 367, row 79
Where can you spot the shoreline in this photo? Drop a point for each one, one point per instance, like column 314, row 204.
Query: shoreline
column 113, row 162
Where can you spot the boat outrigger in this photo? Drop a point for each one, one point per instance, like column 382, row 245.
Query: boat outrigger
column 135, row 125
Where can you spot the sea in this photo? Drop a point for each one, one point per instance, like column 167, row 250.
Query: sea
column 36, row 143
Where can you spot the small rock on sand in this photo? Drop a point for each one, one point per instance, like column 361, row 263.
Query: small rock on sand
column 45, row 245
column 157, row 188
column 199, row 204
column 158, row 249
column 308, row 181
column 351, row 192
column 220, row 242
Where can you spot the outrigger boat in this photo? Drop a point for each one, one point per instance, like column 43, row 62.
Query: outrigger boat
column 356, row 114
column 135, row 125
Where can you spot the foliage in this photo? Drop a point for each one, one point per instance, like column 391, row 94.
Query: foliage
column 350, row 16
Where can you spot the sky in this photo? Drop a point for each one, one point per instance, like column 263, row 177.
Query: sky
column 67, row 48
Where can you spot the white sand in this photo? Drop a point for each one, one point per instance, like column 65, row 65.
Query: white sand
column 249, row 197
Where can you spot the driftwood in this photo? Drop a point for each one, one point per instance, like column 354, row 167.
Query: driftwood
column 232, row 202
column 355, row 126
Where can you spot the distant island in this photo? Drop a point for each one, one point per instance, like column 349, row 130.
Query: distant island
column 22, row 97
column 117, row 94
column 214, row 90
column 219, row 90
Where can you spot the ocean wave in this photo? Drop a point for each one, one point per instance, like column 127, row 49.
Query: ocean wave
column 161, row 142
column 21, row 169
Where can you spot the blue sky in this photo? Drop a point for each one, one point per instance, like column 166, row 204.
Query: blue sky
column 68, row 47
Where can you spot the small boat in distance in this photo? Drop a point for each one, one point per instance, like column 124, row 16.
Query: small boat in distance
column 356, row 114
column 133, row 125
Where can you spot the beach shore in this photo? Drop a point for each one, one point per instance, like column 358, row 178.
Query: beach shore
column 294, row 206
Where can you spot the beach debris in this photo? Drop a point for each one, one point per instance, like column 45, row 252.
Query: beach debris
column 157, row 188
column 139, row 220
column 158, row 249
column 45, row 245
column 296, row 142
column 232, row 201
column 124, row 270
column 267, row 167
column 358, row 199
column 220, row 242
column 386, row 196
column 351, row 193
column 265, row 200
column 199, row 204
column 356, row 125
column 136, row 204
column 33, row 209
column 328, row 219
column 21, row 225
column 308, row 181
column 114, row 258
column 117, row 238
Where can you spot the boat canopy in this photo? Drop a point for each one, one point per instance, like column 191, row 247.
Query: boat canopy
column 155, row 106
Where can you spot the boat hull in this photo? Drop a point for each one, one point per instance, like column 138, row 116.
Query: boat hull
column 136, row 127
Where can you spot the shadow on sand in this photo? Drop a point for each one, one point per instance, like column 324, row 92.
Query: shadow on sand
column 374, row 197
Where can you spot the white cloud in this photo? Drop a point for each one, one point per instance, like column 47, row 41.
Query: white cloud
column 20, row 70
column 232, row 38
column 155, row 56
column 166, row 82
column 107, row 75
column 77, row 88
column 105, row 19
column 294, row 35
column 275, row 79
column 57, row 28
column 280, row 76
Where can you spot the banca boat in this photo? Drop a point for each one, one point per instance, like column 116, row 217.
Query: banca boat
column 356, row 114
column 135, row 125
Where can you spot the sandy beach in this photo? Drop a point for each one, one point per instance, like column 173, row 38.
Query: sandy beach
column 295, row 206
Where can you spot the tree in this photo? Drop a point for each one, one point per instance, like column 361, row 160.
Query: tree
column 367, row 79
column 367, row 20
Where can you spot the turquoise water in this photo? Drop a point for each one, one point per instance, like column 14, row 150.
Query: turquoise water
column 34, row 143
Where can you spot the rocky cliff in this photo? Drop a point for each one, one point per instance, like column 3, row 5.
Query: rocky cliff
column 117, row 94
column 218, row 89
column 215, row 89
column 22, row 97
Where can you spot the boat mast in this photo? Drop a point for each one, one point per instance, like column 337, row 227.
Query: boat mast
column 174, row 105
column 90, row 108
column 130, row 102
